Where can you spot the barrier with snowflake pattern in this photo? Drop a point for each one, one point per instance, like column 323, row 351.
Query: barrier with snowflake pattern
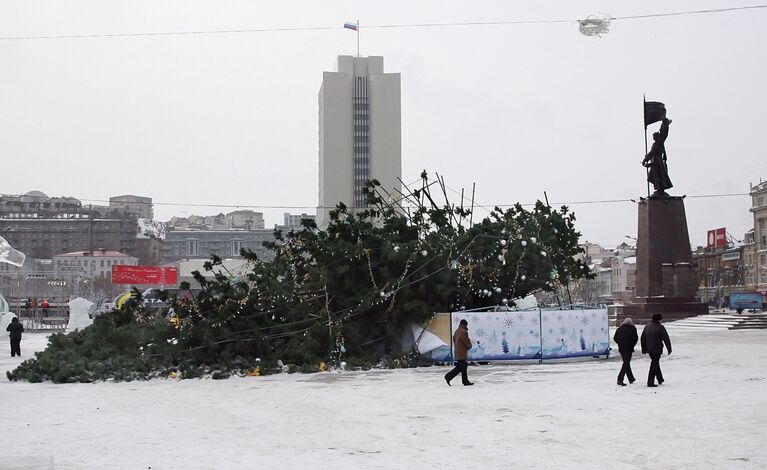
column 536, row 334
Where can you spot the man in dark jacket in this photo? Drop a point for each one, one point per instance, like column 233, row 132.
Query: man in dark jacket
column 654, row 336
column 15, row 328
column 462, row 344
column 626, row 338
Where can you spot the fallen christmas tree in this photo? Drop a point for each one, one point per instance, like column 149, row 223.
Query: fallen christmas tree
column 343, row 294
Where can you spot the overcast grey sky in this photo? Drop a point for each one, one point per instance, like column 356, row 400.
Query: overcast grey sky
column 518, row 109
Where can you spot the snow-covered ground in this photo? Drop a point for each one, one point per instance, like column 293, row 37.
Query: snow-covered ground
column 710, row 413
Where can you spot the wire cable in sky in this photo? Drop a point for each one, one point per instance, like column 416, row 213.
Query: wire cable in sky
column 485, row 206
column 374, row 26
column 554, row 203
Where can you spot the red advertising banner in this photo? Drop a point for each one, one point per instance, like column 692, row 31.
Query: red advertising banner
column 717, row 238
column 155, row 275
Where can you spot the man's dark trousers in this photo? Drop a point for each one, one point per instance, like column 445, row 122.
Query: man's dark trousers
column 654, row 370
column 460, row 368
column 626, row 367
column 15, row 347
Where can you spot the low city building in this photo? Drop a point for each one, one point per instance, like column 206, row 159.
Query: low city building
column 130, row 205
column 92, row 264
column 190, row 244
column 45, row 237
column 237, row 220
column 759, row 209
column 293, row 221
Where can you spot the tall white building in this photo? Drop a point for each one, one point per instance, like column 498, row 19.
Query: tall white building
column 360, row 134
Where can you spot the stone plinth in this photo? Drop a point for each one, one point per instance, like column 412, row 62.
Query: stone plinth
column 666, row 277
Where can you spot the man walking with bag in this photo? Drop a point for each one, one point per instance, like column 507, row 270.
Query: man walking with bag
column 462, row 344
column 654, row 336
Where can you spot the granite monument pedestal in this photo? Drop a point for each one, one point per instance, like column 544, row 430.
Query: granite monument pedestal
column 667, row 280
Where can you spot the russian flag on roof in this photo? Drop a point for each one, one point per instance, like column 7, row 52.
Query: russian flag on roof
column 350, row 25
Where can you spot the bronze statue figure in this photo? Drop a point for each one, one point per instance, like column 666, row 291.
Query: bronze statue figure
column 655, row 160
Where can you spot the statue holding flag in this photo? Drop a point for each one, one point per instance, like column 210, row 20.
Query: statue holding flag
column 655, row 160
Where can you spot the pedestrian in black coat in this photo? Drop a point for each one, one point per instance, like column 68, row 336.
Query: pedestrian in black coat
column 626, row 338
column 15, row 328
column 654, row 336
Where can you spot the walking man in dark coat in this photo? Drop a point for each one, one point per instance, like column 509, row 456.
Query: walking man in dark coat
column 626, row 338
column 654, row 336
column 15, row 328
column 462, row 345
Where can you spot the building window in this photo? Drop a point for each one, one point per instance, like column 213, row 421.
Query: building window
column 192, row 248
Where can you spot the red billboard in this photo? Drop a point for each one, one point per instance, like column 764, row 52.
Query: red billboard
column 155, row 275
column 717, row 238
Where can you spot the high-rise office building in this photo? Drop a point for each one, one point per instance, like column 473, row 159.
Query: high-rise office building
column 360, row 135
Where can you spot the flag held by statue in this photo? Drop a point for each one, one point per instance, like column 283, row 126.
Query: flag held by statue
column 654, row 111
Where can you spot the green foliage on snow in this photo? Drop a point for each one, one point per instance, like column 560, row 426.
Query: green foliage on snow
column 345, row 293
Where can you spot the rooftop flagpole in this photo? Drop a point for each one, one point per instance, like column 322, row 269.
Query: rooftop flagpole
column 358, row 37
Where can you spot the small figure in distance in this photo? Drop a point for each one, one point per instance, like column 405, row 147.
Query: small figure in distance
column 626, row 338
column 15, row 328
column 654, row 336
column 462, row 345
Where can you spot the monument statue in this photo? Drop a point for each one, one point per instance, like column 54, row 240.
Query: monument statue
column 655, row 161
column 666, row 276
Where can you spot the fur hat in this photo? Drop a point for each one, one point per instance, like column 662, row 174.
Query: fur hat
column 627, row 321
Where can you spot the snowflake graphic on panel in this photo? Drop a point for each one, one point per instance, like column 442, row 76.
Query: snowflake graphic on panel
column 545, row 319
column 593, row 314
column 534, row 333
column 563, row 330
column 508, row 323
column 584, row 321
column 474, row 319
column 480, row 332
column 497, row 318
column 520, row 317
column 534, row 321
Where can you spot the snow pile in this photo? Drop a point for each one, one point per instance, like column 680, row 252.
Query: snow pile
column 5, row 320
column 148, row 228
column 79, row 317
column 4, row 307
column 528, row 302
column 709, row 414
column 10, row 255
